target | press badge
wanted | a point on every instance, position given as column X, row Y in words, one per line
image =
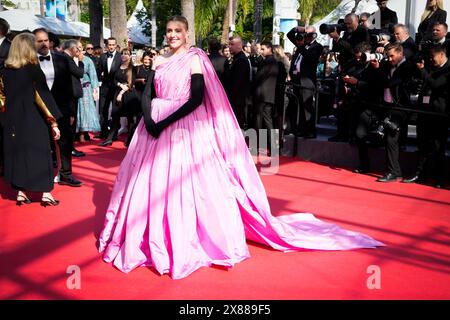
column 426, row 100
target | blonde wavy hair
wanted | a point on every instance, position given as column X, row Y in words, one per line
column 22, row 51
column 430, row 11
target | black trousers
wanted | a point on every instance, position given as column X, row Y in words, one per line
column 367, row 122
column 432, row 132
column 106, row 97
column 65, row 144
column 307, row 106
column 264, row 119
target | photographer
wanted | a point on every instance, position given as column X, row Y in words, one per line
column 432, row 130
column 395, row 76
column 354, row 89
column 303, row 75
column 387, row 17
column 401, row 35
column 354, row 35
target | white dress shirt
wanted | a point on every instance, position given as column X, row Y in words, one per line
column 109, row 61
column 49, row 70
column 1, row 40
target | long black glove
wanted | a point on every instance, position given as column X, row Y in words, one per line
column 197, row 92
column 147, row 96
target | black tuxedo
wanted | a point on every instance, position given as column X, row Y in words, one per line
column 64, row 91
column 108, row 88
column 432, row 130
column 238, row 85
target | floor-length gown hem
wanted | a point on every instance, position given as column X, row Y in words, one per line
column 192, row 197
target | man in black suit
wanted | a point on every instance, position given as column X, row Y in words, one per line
column 395, row 76
column 72, row 53
column 59, row 71
column 5, row 44
column 385, row 18
column 303, row 72
column 432, row 130
column 238, row 81
column 108, row 65
column 354, row 35
column 218, row 61
column 263, row 88
column 401, row 35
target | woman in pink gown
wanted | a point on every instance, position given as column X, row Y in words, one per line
column 188, row 194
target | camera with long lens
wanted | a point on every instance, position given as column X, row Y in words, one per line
column 329, row 28
column 374, row 56
column 386, row 126
column 300, row 33
column 381, row 37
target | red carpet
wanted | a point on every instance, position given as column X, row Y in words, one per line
column 39, row 244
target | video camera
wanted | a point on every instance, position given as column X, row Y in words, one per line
column 329, row 28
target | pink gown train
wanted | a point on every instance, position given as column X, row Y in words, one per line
column 193, row 196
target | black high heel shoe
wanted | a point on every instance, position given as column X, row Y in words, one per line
column 49, row 202
column 23, row 200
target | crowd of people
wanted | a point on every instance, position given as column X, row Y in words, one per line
column 380, row 79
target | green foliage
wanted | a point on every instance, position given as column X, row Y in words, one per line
column 314, row 10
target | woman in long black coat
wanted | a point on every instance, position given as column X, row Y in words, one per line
column 30, row 115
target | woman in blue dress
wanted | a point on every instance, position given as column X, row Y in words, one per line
column 87, row 115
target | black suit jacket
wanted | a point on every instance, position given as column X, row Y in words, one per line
column 265, row 82
column 308, row 65
column 108, row 76
column 76, row 73
column 399, row 81
column 409, row 48
column 436, row 83
column 238, row 80
column 388, row 19
column 348, row 42
column 218, row 61
column 4, row 51
column 62, row 88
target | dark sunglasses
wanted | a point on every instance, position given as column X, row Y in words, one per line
column 89, row 48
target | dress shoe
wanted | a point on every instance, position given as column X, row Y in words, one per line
column 361, row 170
column 413, row 179
column 20, row 200
column 77, row 153
column 45, row 202
column 71, row 181
column 390, row 177
column 106, row 143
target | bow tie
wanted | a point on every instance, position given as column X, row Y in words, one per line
column 42, row 58
column 109, row 55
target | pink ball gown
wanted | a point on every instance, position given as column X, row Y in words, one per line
column 193, row 196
